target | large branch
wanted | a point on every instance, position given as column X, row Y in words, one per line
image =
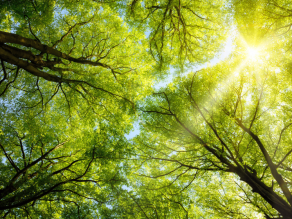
column 23, row 41
column 20, row 53
column 257, row 185
column 272, row 166
column 8, row 57
column 266, row 192
column 10, row 188
column 49, row 190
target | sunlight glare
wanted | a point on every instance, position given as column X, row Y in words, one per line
column 252, row 53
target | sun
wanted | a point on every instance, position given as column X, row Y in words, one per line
column 252, row 53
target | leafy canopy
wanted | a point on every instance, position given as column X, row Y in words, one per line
column 213, row 143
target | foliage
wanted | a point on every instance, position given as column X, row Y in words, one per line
column 213, row 143
column 65, row 85
column 180, row 32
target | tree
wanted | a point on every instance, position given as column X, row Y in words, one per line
column 65, row 84
column 223, row 120
column 224, row 130
column 49, row 167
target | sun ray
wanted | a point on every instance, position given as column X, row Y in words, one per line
column 254, row 53
column 251, row 55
